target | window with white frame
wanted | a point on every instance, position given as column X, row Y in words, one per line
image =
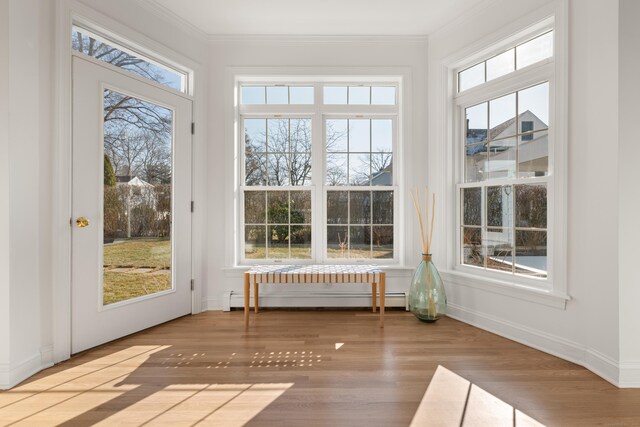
column 505, row 160
column 317, row 178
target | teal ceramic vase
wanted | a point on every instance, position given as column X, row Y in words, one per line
column 427, row 300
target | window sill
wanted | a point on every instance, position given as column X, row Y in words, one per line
column 510, row 289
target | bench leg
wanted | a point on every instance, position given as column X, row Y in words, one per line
column 383, row 280
column 255, row 297
column 246, row 300
column 374, row 291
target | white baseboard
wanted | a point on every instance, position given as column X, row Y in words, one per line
column 318, row 299
column 596, row 362
column 234, row 299
column 13, row 375
column 630, row 374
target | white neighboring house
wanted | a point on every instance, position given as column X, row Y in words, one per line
column 140, row 193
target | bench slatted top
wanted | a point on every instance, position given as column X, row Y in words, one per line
column 315, row 274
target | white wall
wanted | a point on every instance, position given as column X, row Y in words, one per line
column 586, row 331
column 628, row 192
column 4, row 191
column 325, row 56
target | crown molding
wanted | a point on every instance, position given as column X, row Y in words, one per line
column 168, row 15
column 324, row 39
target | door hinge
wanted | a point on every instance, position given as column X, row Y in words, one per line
column 193, row 128
column 192, row 204
column 192, row 283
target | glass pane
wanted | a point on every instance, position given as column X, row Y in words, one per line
column 359, row 169
column 337, row 207
column 475, row 162
column 381, row 169
column 383, row 207
column 501, row 64
column 300, row 159
column 533, row 106
column 252, row 95
column 499, row 206
column 300, row 164
column 278, row 169
column 255, row 135
column 472, row 253
column 300, row 207
column 535, row 50
column 359, row 95
column 499, row 244
column 359, row 241
column 383, row 95
column 531, row 253
column 360, row 136
column 337, row 242
column 255, row 242
column 337, row 131
column 502, row 158
column 382, row 238
column 300, row 241
column 278, row 241
column 301, row 95
column 254, row 207
column 472, row 206
column 137, row 197
column 471, row 77
column 531, row 206
column 277, row 95
column 382, row 135
column 360, row 207
column 255, row 144
column 502, row 116
column 278, row 135
column 118, row 56
column 278, row 207
column 336, row 169
column 335, row 95
column 300, row 132
column 533, row 155
column 255, row 169
column 476, row 124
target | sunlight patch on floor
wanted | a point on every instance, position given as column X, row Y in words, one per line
column 453, row 400
column 108, row 391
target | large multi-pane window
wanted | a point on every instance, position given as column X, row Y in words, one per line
column 317, row 177
column 505, row 160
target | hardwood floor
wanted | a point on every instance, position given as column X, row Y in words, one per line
column 305, row 368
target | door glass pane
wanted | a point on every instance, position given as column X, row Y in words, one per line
column 138, row 138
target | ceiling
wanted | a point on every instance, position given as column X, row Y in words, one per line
column 317, row 17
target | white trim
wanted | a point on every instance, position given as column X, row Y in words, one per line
column 445, row 167
column 15, row 373
column 629, row 374
column 507, row 288
column 317, row 298
column 598, row 363
column 235, row 76
column 66, row 12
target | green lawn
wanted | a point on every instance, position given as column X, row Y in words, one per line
column 136, row 254
column 124, row 286
column 140, row 253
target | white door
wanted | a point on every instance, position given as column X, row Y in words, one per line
column 131, row 238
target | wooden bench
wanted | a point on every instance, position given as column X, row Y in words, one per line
column 305, row 274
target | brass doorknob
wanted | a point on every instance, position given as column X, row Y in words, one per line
column 82, row 222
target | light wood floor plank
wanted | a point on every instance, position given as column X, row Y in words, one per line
column 484, row 409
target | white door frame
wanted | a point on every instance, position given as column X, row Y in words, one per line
column 68, row 12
